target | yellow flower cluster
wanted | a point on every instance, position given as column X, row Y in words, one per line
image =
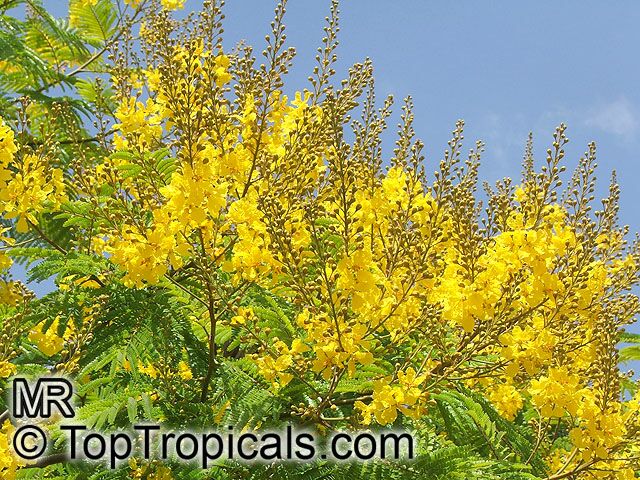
column 389, row 399
column 145, row 254
column 343, row 346
column 9, row 294
column 149, row 471
column 5, row 261
column 529, row 347
column 8, row 148
column 166, row 4
column 525, row 250
column 7, row 369
column 28, row 186
column 173, row 4
column 242, row 316
column 251, row 256
column 183, row 370
column 506, row 399
column 556, row 393
column 200, row 194
column 48, row 341
column 9, row 463
column 140, row 124
column 276, row 368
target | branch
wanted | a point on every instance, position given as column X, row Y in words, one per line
column 580, row 468
column 49, row 460
column 46, row 238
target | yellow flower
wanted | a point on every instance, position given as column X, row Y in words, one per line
column 9, row 293
column 389, row 399
column 7, row 369
column 139, row 123
column 184, row 371
column 520, row 194
column 146, row 256
column 557, row 393
column 34, row 188
column 149, row 471
column 148, row 369
column 9, row 463
column 243, row 315
column 173, row 4
column 358, row 276
column 153, row 77
column 48, row 342
column 222, row 75
column 8, row 148
column 506, row 399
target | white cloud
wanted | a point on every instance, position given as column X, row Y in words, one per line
column 617, row 117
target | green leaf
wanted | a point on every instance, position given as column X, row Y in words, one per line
column 130, row 170
column 95, row 23
column 132, row 409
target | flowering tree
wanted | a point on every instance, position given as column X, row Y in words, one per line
column 229, row 253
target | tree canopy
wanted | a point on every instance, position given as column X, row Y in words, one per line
column 229, row 252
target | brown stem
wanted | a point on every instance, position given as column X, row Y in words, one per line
column 580, row 468
column 45, row 238
column 49, row 460
column 213, row 348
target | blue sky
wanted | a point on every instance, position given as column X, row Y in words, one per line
column 506, row 68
